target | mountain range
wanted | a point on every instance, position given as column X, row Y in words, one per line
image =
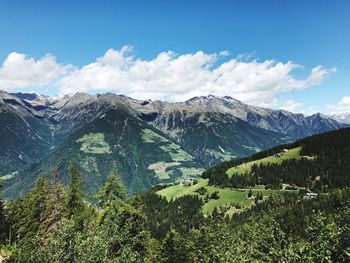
column 342, row 117
column 147, row 142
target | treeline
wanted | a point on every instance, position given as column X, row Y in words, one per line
column 182, row 214
column 54, row 224
column 329, row 166
column 57, row 224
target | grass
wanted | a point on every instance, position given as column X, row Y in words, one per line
column 191, row 172
column 228, row 196
column 174, row 150
column 164, row 170
column 160, row 169
column 94, row 143
column 176, row 191
column 246, row 167
column 222, row 156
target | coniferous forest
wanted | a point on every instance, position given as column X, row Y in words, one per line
column 53, row 223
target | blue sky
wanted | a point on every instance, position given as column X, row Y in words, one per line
column 76, row 33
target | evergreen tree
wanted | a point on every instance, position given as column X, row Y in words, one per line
column 35, row 208
column 55, row 207
column 112, row 190
column 174, row 249
column 74, row 196
column 4, row 225
column 250, row 193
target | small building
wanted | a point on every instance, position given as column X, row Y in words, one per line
column 285, row 150
column 186, row 182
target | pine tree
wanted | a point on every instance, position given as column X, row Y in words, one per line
column 261, row 196
column 112, row 190
column 55, row 207
column 74, row 197
column 250, row 193
column 35, row 207
column 4, row 226
column 174, row 248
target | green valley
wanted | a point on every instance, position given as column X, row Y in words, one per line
column 229, row 199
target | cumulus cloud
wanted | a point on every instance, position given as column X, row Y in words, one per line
column 20, row 71
column 168, row 76
column 342, row 106
column 291, row 105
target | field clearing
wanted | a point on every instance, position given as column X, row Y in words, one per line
column 246, row 167
column 176, row 191
column 94, row 143
column 228, row 196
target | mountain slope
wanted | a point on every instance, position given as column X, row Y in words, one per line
column 213, row 136
column 318, row 162
column 117, row 140
column 24, row 139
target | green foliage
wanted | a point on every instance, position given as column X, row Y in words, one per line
column 74, row 202
column 201, row 191
column 215, row 195
column 112, row 190
column 4, row 224
column 174, row 248
column 285, row 227
column 135, row 158
column 181, row 214
column 321, row 162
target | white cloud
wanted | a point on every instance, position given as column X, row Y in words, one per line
column 345, row 102
column 342, row 106
column 20, row 71
column 168, row 76
column 291, row 105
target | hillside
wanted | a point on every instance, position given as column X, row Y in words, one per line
column 141, row 155
column 316, row 162
column 24, row 139
column 277, row 158
column 229, row 199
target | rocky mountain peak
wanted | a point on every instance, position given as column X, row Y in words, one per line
column 342, row 117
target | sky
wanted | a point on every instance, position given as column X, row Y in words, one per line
column 293, row 55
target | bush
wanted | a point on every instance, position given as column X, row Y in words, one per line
column 237, row 206
column 215, row 195
column 206, row 198
column 202, row 190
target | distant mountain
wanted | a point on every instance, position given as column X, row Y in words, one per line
column 40, row 133
column 142, row 155
column 24, row 138
column 342, row 117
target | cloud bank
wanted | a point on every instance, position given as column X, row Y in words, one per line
column 20, row 71
column 168, row 76
column 342, row 106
